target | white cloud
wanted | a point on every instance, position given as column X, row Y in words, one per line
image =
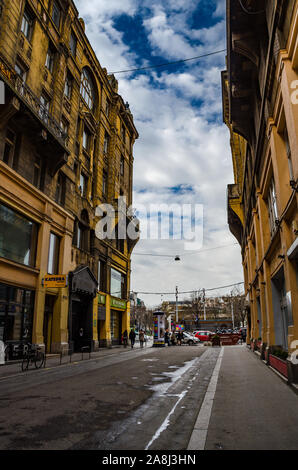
column 180, row 142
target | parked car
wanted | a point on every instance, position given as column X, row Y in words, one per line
column 190, row 339
column 204, row 335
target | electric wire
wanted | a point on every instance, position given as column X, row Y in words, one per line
column 186, row 292
column 166, row 64
column 187, row 253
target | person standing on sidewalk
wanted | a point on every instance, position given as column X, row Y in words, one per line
column 125, row 337
column 141, row 338
column 179, row 337
column 132, row 337
column 167, row 337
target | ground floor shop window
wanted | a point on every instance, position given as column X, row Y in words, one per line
column 16, row 314
column 18, row 237
column 116, row 325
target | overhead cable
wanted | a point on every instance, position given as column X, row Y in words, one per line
column 166, row 64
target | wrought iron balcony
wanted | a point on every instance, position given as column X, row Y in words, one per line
column 27, row 96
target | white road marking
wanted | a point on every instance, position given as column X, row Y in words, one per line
column 177, row 375
column 199, row 434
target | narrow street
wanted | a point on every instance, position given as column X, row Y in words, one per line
column 150, row 399
column 120, row 401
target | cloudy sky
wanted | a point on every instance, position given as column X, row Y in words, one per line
column 182, row 155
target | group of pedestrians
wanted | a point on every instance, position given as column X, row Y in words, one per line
column 172, row 338
column 132, row 338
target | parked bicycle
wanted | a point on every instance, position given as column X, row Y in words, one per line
column 32, row 355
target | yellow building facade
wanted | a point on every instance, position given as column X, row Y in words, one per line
column 261, row 111
column 66, row 147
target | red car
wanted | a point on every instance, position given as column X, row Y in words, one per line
column 204, row 335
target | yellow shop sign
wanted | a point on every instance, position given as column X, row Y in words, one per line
column 55, row 280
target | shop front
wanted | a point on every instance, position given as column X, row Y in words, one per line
column 82, row 291
column 16, row 317
column 118, row 309
column 101, row 320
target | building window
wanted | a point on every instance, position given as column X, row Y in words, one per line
column 81, row 232
column 21, row 71
column 289, row 154
column 86, row 140
column 68, row 86
column 18, row 237
column 117, row 283
column 50, row 58
column 44, row 107
column 16, row 315
column 87, row 89
column 73, row 44
column 38, row 173
column 27, row 24
column 106, row 143
column 123, row 133
column 272, row 207
column 53, row 259
column 56, row 15
column 83, row 184
column 64, row 125
column 9, row 147
column 60, row 189
column 122, row 165
column 104, row 184
column 107, row 107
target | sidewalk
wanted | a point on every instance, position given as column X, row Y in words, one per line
column 251, row 407
column 53, row 360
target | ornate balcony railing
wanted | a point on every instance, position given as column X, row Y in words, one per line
column 32, row 101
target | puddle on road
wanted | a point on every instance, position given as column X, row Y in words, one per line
column 162, row 388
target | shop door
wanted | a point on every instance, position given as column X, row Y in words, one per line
column 80, row 323
column 116, row 327
column 48, row 322
column 284, row 318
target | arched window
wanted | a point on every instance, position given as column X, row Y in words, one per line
column 87, row 89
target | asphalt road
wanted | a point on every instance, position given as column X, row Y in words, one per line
column 133, row 399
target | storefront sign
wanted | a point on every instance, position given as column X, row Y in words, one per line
column 117, row 303
column 101, row 299
column 58, row 280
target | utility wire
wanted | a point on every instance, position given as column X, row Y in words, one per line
column 187, row 253
column 185, row 292
column 169, row 63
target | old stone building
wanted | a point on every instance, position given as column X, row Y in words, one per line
column 66, row 146
column 260, row 109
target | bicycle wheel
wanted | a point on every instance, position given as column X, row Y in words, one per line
column 39, row 359
column 25, row 363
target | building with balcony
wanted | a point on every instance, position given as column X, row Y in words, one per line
column 261, row 112
column 66, row 147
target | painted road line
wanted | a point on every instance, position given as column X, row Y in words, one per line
column 179, row 373
column 199, row 435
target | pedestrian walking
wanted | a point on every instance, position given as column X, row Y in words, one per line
column 141, row 338
column 167, row 338
column 125, row 337
column 179, row 337
column 132, row 337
